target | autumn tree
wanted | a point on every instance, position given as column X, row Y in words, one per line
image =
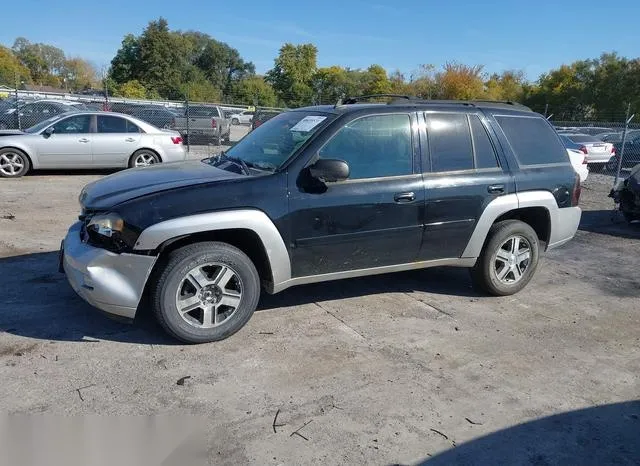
column 459, row 81
column 79, row 74
column 11, row 68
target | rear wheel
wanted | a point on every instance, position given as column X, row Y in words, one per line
column 235, row 121
column 509, row 258
column 143, row 158
column 13, row 163
column 206, row 292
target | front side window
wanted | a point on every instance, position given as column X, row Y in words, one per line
column 373, row 146
column 78, row 124
column 533, row 140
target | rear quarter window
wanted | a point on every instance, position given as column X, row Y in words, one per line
column 533, row 140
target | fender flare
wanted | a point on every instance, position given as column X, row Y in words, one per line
column 249, row 219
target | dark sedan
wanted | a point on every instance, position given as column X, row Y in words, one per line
column 160, row 117
column 33, row 113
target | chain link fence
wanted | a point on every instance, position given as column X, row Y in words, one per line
column 202, row 124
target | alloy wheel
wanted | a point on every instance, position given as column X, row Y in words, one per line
column 11, row 163
column 512, row 259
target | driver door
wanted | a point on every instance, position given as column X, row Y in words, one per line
column 69, row 146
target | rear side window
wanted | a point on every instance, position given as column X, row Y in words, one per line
column 450, row 144
column 533, row 140
column 114, row 124
column 485, row 154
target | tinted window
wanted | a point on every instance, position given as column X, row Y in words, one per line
column 449, row 142
column 485, row 154
column 113, row 124
column 73, row 125
column 533, row 140
column 373, row 146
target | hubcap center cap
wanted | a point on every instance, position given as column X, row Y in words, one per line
column 211, row 294
column 512, row 260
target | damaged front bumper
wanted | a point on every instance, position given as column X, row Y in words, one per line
column 112, row 282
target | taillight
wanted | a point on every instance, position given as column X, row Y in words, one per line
column 214, row 124
column 577, row 190
column 583, row 149
column 584, row 160
column 176, row 139
column 613, row 150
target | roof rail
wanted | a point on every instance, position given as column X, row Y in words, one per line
column 356, row 99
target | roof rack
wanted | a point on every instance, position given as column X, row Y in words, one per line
column 356, row 99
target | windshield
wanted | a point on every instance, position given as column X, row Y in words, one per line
column 270, row 145
column 42, row 125
column 583, row 138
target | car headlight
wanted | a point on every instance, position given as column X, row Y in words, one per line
column 106, row 224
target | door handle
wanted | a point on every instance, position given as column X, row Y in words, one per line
column 83, row 140
column 404, row 197
column 130, row 140
column 496, row 189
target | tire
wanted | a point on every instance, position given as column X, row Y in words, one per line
column 193, row 278
column 13, row 163
column 235, row 121
column 487, row 272
column 143, row 158
column 226, row 139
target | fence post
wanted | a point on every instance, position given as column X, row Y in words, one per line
column 186, row 113
column 627, row 120
column 18, row 122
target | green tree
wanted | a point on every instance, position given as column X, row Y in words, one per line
column 333, row 83
column 132, row 89
column 125, row 66
column 223, row 65
column 292, row 74
column 45, row 62
column 509, row 85
column 11, row 68
column 376, row 81
column 254, row 90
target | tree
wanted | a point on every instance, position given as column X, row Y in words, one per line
column 11, row 68
column 292, row 74
column 458, row 81
column 376, row 81
column 254, row 91
column 45, row 62
column 509, row 85
column 223, row 65
column 125, row 66
column 79, row 74
column 132, row 89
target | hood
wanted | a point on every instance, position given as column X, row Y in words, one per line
column 10, row 132
column 135, row 182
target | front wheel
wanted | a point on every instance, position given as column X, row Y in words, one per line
column 206, row 292
column 509, row 258
column 235, row 121
column 13, row 163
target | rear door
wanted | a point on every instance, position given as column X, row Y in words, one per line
column 372, row 219
column 115, row 141
column 463, row 173
column 69, row 146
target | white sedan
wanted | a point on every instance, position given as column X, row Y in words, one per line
column 88, row 140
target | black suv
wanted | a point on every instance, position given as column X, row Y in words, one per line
column 324, row 193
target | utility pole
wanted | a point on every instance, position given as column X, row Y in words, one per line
column 18, row 122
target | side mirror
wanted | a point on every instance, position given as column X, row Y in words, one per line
column 48, row 132
column 330, row 170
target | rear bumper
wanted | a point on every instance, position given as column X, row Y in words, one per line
column 599, row 158
column 564, row 224
column 113, row 283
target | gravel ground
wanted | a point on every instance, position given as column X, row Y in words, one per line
column 399, row 368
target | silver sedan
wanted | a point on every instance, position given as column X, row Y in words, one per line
column 88, row 140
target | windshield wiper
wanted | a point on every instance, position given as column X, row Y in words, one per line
column 239, row 162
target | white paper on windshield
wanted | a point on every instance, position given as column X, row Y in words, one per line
column 308, row 123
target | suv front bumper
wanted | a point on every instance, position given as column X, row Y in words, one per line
column 112, row 282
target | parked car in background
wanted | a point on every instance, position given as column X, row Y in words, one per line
column 598, row 153
column 593, row 130
column 626, row 193
column 610, row 136
column 631, row 156
column 205, row 122
column 262, row 116
column 88, row 140
column 37, row 111
column 242, row 118
column 161, row 117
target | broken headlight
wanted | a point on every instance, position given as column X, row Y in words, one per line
column 109, row 231
column 106, row 225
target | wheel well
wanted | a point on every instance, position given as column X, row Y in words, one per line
column 145, row 148
column 536, row 217
column 245, row 240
